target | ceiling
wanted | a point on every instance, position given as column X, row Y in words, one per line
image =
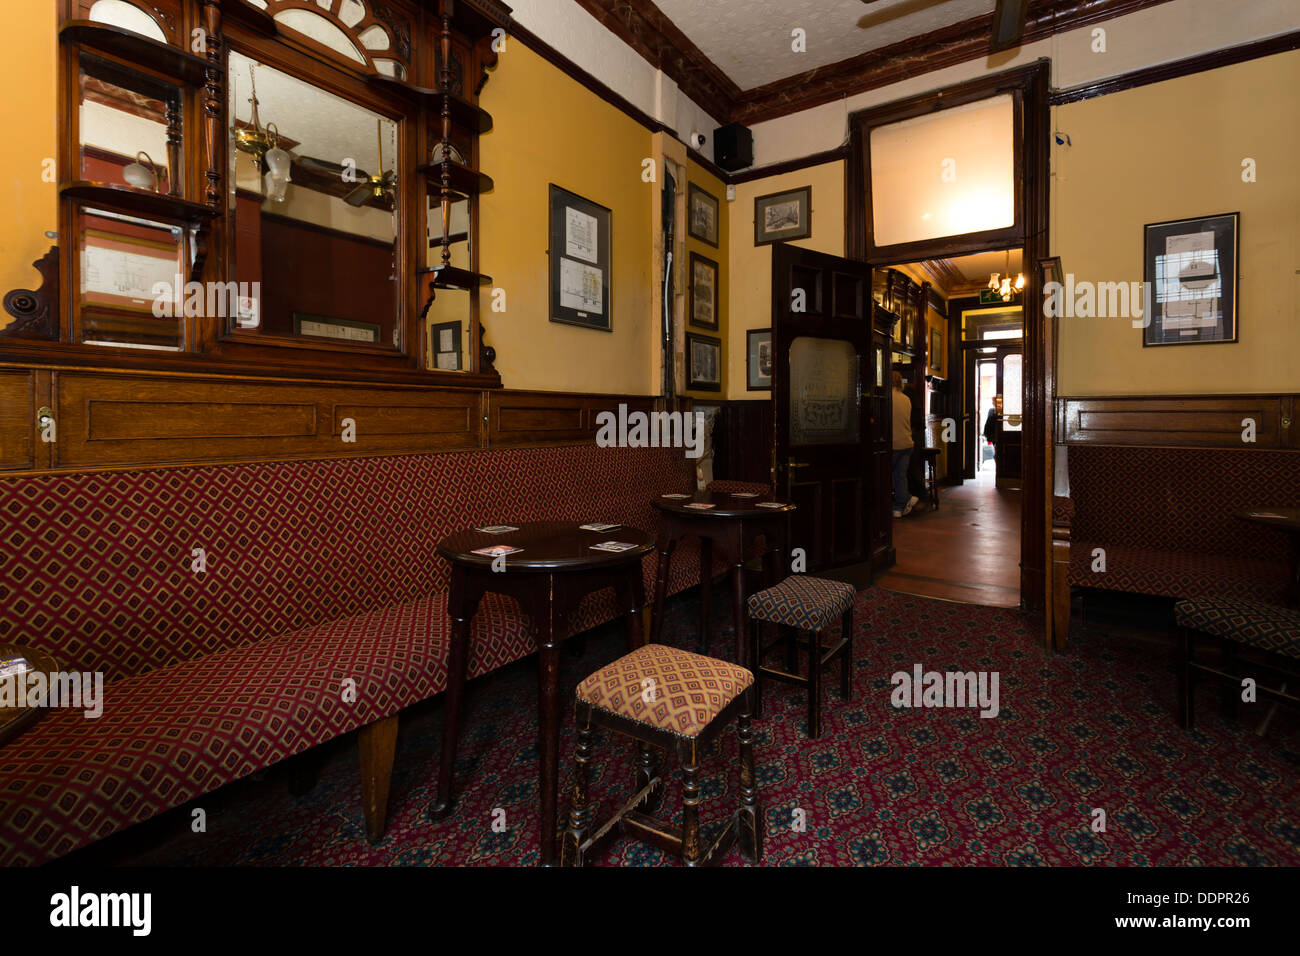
column 750, row 40
column 963, row 275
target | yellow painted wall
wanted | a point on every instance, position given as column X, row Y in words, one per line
column 1170, row 151
column 549, row 129
column 751, row 266
column 28, row 205
column 709, row 183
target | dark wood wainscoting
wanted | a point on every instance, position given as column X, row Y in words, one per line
column 743, row 441
column 106, row 419
column 1163, row 421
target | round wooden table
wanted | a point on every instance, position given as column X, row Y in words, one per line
column 14, row 720
column 733, row 523
column 556, row 568
column 1288, row 520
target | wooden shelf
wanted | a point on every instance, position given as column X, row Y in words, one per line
column 164, row 58
column 464, row 181
column 463, row 112
column 138, row 202
column 245, row 14
column 450, row 277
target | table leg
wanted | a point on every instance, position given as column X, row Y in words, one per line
column 632, row 596
column 706, row 587
column 738, row 610
column 548, row 737
column 453, row 705
column 666, row 547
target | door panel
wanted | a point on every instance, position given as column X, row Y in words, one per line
column 822, row 346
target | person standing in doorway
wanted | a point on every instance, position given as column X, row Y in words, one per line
column 902, row 405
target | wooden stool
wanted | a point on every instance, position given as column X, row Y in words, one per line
column 930, row 473
column 811, row 605
column 672, row 699
column 1266, row 627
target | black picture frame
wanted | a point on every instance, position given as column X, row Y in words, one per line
column 756, row 380
column 572, row 262
column 776, row 207
column 703, row 309
column 1203, row 293
column 435, row 338
column 935, row 357
column 702, row 214
column 700, row 376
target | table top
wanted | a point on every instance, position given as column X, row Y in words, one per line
column 725, row 505
column 1288, row 519
column 14, row 720
column 548, row 546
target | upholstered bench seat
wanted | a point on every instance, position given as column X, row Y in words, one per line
column 809, row 604
column 686, row 691
column 1177, row 574
column 1265, row 626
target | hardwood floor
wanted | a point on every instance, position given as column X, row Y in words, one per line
column 967, row 551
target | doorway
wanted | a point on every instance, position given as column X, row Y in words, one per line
column 912, row 218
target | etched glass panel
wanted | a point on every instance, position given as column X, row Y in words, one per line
column 119, row 13
column 321, row 30
column 825, row 392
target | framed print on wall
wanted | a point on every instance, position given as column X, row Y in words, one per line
column 1190, row 266
column 782, row 216
column 704, row 292
column 703, row 363
column 580, row 269
column 758, row 359
column 936, row 351
column 446, row 345
column 702, row 215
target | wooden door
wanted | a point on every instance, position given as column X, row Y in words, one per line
column 822, row 346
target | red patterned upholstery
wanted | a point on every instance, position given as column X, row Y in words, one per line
column 1062, row 511
column 1166, row 520
column 1265, row 626
column 316, row 571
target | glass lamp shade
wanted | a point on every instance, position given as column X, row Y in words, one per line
column 278, row 164
column 138, row 175
column 275, row 188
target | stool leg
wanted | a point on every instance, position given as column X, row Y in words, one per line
column 846, row 663
column 750, row 818
column 1185, row 691
column 791, row 648
column 815, row 684
column 756, row 664
column 691, row 850
column 1231, row 691
column 647, row 769
column 580, row 809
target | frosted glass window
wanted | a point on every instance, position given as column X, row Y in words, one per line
column 374, row 37
column 119, row 13
column 320, row 30
column 945, row 174
column 824, row 392
column 1012, row 396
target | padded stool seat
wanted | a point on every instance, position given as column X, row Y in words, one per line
column 809, row 604
column 689, row 690
column 1265, row 626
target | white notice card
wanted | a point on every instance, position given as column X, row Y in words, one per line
column 579, row 235
column 581, row 287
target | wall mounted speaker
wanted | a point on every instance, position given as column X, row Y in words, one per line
column 733, row 147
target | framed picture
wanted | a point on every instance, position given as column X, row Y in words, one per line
column 758, row 359
column 579, row 252
column 445, row 337
column 936, row 350
column 702, row 215
column 782, row 216
column 1191, row 270
column 703, row 362
column 704, row 292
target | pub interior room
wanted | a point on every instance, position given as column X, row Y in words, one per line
column 614, row 433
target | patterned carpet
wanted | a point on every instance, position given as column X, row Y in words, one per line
column 1091, row 728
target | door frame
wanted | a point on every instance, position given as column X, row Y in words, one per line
column 1030, row 85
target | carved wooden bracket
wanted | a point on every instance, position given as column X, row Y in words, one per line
column 36, row 312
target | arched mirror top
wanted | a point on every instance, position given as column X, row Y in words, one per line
column 364, row 34
column 128, row 16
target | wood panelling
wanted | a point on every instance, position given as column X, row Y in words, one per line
column 1217, row 421
column 541, row 418
column 18, row 432
column 107, row 419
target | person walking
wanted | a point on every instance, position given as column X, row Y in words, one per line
column 902, row 407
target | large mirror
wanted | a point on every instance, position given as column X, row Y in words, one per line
column 313, row 196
